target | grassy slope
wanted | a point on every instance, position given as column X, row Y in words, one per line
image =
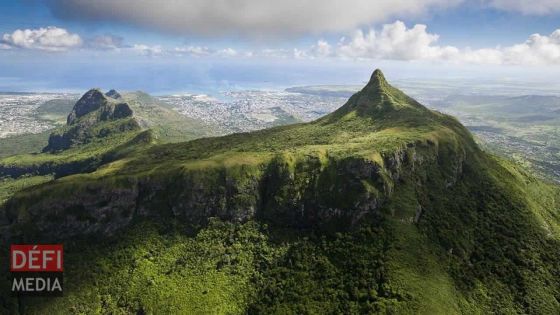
column 23, row 151
column 9, row 186
column 39, row 168
column 22, row 144
column 485, row 244
column 95, row 149
column 56, row 110
column 167, row 124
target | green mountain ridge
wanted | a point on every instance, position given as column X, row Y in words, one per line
column 383, row 206
column 378, row 108
column 98, row 127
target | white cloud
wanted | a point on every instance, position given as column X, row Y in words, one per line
column 202, row 51
column 321, row 49
column 245, row 17
column 397, row 42
column 538, row 49
column 276, row 53
column 227, row 52
column 300, row 54
column 197, row 51
column 50, row 38
column 537, row 7
column 148, row 50
column 481, row 56
column 393, row 41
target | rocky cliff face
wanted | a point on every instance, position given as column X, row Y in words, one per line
column 296, row 191
column 84, row 123
column 113, row 94
column 91, row 101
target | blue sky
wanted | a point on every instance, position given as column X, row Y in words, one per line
column 196, row 45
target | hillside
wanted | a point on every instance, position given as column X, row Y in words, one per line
column 56, row 110
column 383, row 206
column 98, row 128
column 167, row 124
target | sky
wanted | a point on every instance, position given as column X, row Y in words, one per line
column 170, row 46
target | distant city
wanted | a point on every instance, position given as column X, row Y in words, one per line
column 18, row 113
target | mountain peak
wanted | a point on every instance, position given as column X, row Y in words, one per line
column 90, row 101
column 377, row 83
column 376, row 98
column 113, row 94
column 377, row 78
column 93, row 110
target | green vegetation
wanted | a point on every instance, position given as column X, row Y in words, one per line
column 381, row 207
column 56, row 110
column 167, row 124
column 523, row 128
column 223, row 268
column 21, row 144
column 82, row 158
column 94, row 138
column 9, row 186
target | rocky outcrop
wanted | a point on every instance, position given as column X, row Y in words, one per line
column 91, row 101
column 113, row 94
column 121, row 110
column 85, row 122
